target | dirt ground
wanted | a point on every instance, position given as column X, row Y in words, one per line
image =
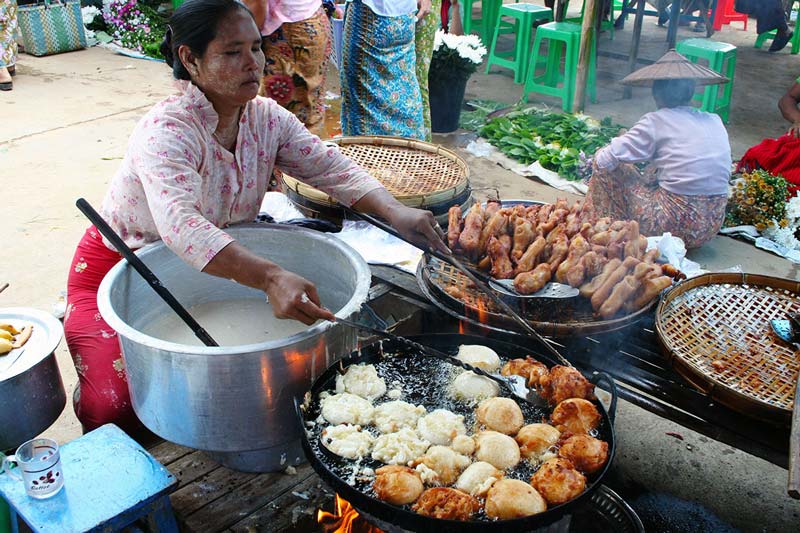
column 64, row 130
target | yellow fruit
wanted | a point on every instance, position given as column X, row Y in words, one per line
column 9, row 328
column 5, row 346
column 6, row 335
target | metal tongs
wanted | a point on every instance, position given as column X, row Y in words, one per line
column 475, row 276
column 513, row 383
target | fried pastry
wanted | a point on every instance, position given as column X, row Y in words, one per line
column 500, row 414
column 499, row 250
column 576, row 416
column 441, row 426
column 558, row 481
column 446, row 503
column 533, row 281
column 497, row 449
column 622, row 292
column 494, row 227
column 523, row 237
column 453, row 226
column 398, row 485
column 479, row 356
column 445, row 462
column 563, row 382
column 529, row 368
column 512, row 498
column 588, row 454
column 528, row 260
column 478, row 478
column 535, row 439
column 469, row 239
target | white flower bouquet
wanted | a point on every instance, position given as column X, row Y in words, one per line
column 455, row 56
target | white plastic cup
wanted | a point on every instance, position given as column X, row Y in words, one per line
column 40, row 463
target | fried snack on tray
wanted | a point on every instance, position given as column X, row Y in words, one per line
column 446, row 503
column 12, row 337
column 512, row 498
column 398, row 485
column 595, row 255
column 562, row 383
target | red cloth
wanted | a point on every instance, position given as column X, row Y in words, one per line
column 779, row 156
column 102, row 392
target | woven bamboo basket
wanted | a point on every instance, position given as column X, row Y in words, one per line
column 716, row 330
column 417, row 173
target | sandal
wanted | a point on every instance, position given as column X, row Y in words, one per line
column 6, row 86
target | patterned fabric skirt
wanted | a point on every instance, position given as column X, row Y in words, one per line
column 627, row 194
column 8, row 32
column 296, row 62
column 102, row 393
column 380, row 91
column 425, row 34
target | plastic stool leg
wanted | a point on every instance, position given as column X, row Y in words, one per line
column 161, row 518
column 763, row 37
column 522, row 48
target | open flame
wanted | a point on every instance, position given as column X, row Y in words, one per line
column 344, row 519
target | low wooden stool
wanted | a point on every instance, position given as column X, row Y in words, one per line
column 109, row 483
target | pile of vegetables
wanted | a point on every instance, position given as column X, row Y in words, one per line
column 560, row 142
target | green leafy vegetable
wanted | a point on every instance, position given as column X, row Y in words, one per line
column 557, row 141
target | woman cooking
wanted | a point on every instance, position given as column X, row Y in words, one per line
column 199, row 161
column 684, row 190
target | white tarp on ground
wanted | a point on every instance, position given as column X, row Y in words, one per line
column 481, row 148
column 750, row 233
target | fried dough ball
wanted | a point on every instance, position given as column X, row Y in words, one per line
column 536, row 439
column 361, row 380
column 446, row 503
column 558, row 481
column 479, row 356
column 501, row 451
column 588, row 454
column 441, row 426
column 469, row 386
column 397, row 414
column 347, row 441
column 575, row 416
column 500, row 414
column 445, row 463
column 399, row 448
column 478, row 478
column 346, row 408
column 398, row 485
column 563, row 382
column 529, row 368
column 512, row 498
column 463, row 444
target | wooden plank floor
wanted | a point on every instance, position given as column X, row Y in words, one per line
column 212, row 498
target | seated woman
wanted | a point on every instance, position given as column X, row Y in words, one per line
column 684, row 189
column 199, row 161
column 781, row 155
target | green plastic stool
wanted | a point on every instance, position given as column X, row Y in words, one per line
column 721, row 58
column 607, row 25
column 484, row 25
column 560, row 36
column 524, row 16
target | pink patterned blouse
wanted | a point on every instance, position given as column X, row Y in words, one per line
column 177, row 183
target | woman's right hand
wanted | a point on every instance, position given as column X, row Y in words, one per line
column 293, row 296
column 794, row 131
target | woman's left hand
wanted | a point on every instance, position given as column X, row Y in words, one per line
column 423, row 8
column 418, row 226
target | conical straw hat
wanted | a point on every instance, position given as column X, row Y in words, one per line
column 673, row 66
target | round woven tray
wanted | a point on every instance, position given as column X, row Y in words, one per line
column 417, row 173
column 716, row 330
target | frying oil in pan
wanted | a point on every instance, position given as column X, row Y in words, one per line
column 423, row 381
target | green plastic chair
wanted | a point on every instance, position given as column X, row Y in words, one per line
column 795, row 40
column 607, row 25
column 483, row 25
column 523, row 15
column 560, row 36
column 721, row 57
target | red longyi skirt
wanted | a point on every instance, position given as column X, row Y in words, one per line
column 102, row 392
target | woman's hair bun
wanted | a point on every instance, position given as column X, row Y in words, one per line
column 166, row 47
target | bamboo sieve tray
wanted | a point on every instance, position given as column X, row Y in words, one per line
column 715, row 329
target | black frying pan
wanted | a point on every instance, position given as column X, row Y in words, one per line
column 339, row 474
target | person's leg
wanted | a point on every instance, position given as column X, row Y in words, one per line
column 424, row 37
column 609, row 191
column 296, row 63
column 8, row 43
column 695, row 219
column 102, row 394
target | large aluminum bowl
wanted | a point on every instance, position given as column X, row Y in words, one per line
column 233, row 400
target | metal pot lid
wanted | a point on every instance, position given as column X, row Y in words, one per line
column 45, row 338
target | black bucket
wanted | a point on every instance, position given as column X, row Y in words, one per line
column 446, row 97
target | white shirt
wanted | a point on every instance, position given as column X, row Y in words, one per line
column 689, row 147
column 391, row 8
